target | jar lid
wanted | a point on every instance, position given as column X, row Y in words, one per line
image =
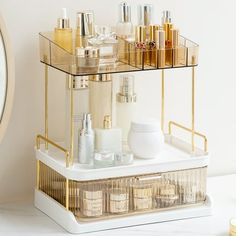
column 146, row 126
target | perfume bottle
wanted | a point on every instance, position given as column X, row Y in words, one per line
column 108, row 138
column 81, row 106
column 124, row 27
column 100, row 98
column 63, row 32
column 167, row 26
column 85, row 28
column 161, row 53
column 107, row 43
column 126, row 105
column 86, row 141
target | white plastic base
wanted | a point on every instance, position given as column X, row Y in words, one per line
column 68, row 221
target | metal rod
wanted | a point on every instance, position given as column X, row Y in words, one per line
column 71, row 121
column 67, row 153
column 162, row 99
column 38, row 174
column 193, row 108
column 189, row 130
column 46, row 105
column 67, row 194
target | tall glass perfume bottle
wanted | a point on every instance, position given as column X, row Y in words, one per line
column 107, row 43
column 108, row 138
column 126, row 105
column 81, row 106
column 85, row 28
column 63, row 32
column 100, row 98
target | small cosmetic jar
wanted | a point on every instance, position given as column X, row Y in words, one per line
column 92, row 203
column 103, row 159
column 145, row 139
column 167, row 196
column 118, row 201
column 87, row 59
column 142, row 197
column 188, row 193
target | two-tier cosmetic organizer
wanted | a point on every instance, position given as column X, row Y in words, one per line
column 170, row 187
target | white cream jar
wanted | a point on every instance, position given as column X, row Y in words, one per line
column 145, row 138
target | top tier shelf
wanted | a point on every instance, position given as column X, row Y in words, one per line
column 130, row 58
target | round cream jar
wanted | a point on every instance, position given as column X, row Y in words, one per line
column 146, row 139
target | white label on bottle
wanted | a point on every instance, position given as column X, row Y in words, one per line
column 106, row 51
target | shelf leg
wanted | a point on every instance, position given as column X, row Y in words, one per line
column 193, row 108
column 71, row 121
column 67, row 194
column 162, row 99
column 46, row 105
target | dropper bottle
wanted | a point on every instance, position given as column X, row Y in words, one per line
column 63, row 32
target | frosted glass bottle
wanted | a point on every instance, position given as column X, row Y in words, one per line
column 81, row 106
column 126, row 107
column 100, row 98
column 108, row 138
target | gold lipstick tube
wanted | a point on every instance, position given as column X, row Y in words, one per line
column 151, row 53
column 175, row 46
column 140, row 45
column 161, row 53
column 168, row 43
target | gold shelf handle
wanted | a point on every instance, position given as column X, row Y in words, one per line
column 46, row 140
column 172, row 123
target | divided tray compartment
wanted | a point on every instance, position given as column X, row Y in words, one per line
column 130, row 56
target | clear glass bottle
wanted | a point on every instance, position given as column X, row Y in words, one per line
column 108, row 138
column 63, row 32
column 126, row 108
column 100, row 98
column 106, row 41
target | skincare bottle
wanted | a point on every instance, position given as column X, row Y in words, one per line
column 108, row 138
column 167, row 26
column 100, row 98
column 81, row 106
column 124, row 27
column 107, row 43
column 85, row 28
column 140, row 45
column 161, row 54
column 126, row 105
column 86, row 141
column 63, row 32
column 175, row 46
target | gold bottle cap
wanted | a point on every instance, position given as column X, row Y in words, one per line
column 140, row 33
column 107, row 124
column 101, row 78
column 63, row 22
column 152, row 32
column 78, row 82
column 174, row 37
column 92, row 194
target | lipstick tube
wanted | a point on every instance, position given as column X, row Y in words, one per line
column 161, row 55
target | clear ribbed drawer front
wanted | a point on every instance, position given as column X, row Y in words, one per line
column 90, row 200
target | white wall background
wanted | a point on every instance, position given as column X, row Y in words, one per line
column 210, row 23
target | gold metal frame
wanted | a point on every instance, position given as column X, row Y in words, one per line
column 173, row 123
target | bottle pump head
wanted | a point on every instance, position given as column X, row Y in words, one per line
column 166, row 17
column 63, row 22
column 107, row 122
